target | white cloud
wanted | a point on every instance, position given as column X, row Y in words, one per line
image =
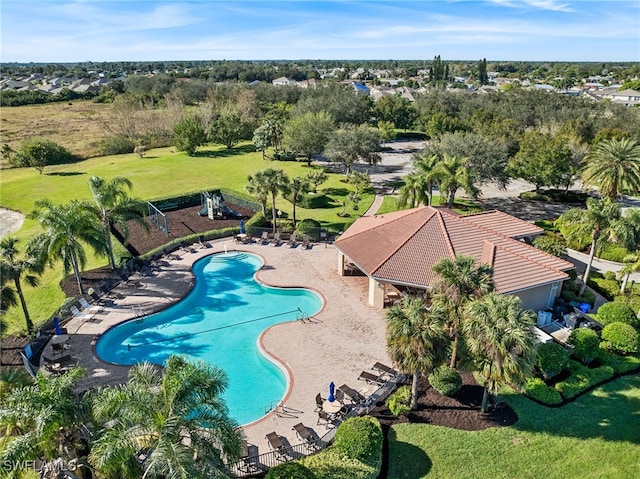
column 552, row 5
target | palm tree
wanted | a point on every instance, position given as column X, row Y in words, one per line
column 499, row 338
column 412, row 193
column 613, row 166
column 416, row 341
column 256, row 186
column 42, row 420
column 8, row 295
column 116, row 207
column 298, row 185
column 426, row 167
column 460, row 281
column 453, row 173
column 601, row 220
column 16, row 269
column 67, row 228
column 165, row 425
column 275, row 181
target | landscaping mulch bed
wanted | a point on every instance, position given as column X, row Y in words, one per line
column 461, row 411
column 11, row 347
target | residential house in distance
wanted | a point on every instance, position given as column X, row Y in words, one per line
column 397, row 252
column 284, row 81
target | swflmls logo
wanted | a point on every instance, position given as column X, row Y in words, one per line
column 40, row 466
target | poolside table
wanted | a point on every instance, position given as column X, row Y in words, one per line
column 331, row 407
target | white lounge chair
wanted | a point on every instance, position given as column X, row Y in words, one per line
column 79, row 315
column 89, row 308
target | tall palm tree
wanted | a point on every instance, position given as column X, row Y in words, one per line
column 412, row 193
column 460, row 281
column 425, row 165
column 67, row 228
column 256, row 186
column 42, row 420
column 298, row 185
column 116, row 207
column 613, row 166
column 416, row 341
column 602, row 220
column 275, row 181
column 17, row 269
column 453, row 173
column 499, row 338
column 165, row 425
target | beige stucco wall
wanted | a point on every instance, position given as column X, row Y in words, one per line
column 536, row 298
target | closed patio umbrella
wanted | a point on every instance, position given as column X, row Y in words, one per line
column 241, row 227
column 332, row 392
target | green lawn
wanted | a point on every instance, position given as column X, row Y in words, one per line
column 161, row 173
column 597, row 436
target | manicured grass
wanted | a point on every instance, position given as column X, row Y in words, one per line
column 597, row 436
column 161, row 173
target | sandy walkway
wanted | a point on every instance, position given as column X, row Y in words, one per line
column 10, row 222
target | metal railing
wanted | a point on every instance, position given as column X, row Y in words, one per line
column 252, row 466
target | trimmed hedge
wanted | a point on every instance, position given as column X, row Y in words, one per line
column 622, row 337
column 360, row 438
column 551, row 359
column 609, row 288
column 309, row 227
column 582, row 378
column 116, row 145
column 585, row 344
column 332, row 464
column 551, row 244
column 290, row 470
column 620, row 364
column 536, row 389
column 312, row 201
column 570, row 291
column 445, row 380
column 618, row 312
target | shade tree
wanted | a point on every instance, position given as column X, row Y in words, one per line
column 351, row 144
column 307, row 135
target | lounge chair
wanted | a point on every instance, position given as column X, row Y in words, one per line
column 89, row 308
column 276, row 239
column 168, row 254
column 59, row 348
column 354, row 396
column 79, row 315
column 384, row 369
column 371, row 378
column 59, row 365
column 264, row 239
column 340, row 396
column 248, row 461
column 186, row 247
column 305, row 435
column 305, row 242
column 324, row 419
column 110, row 294
column 276, row 444
column 292, row 243
column 247, row 239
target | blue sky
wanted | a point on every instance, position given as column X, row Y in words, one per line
column 533, row 30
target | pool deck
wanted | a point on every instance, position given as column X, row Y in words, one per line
column 344, row 338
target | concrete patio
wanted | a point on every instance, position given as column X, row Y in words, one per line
column 344, row 338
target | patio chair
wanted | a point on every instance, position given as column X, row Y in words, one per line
column 305, row 435
column 79, row 315
column 264, row 239
column 203, row 242
column 292, row 243
column 276, row 444
column 384, row 369
column 248, row 461
column 325, row 420
column 340, row 396
column 89, row 308
column 110, row 294
column 170, row 255
column 59, row 365
column 59, row 348
column 305, row 242
column 371, row 378
column 247, row 239
column 319, row 402
column 354, row 396
column 276, row 239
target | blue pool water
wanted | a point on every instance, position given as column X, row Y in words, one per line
column 219, row 322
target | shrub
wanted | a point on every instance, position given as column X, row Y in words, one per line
column 536, row 388
column 290, row 470
column 618, row 312
column 585, row 344
column 309, row 227
column 551, row 244
column 552, row 359
column 570, row 291
column 576, row 383
column 620, row 364
column 608, row 288
column 445, row 380
column 613, row 252
column 40, row 152
column 360, row 438
column 312, row 201
column 633, row 302
column 116, row 145
column 623, row 337
column 257, row 221
column 332, row 464
column 610, row 275
column 399, row 402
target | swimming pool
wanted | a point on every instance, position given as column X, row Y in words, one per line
column 219, row 321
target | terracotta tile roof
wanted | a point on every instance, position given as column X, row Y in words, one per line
column 403, row 246
column 504, row 224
